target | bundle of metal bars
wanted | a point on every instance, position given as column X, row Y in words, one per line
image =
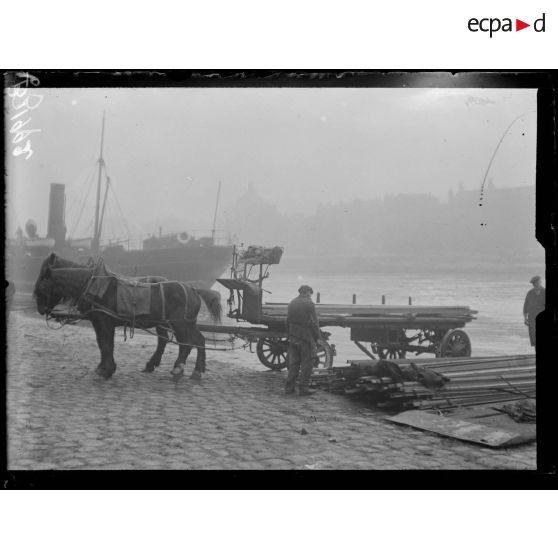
column 472, row 381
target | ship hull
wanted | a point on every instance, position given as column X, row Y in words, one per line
column 199, row 264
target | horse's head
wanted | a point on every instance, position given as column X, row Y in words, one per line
column 45, row 293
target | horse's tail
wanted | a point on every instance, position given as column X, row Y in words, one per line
column 212, row 300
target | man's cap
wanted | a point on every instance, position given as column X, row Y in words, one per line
column 305, row 289
column 535, row 279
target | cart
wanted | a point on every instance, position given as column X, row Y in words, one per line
column 380, row 331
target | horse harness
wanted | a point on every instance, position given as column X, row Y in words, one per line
column 97, row 307
column 96, row 287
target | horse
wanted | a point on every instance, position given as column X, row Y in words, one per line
column 55, row 261
column 172, row 302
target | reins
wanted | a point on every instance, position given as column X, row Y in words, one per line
column 98, row 308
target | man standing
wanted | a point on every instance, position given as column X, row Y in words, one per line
column 304, row 332
column 534, row 304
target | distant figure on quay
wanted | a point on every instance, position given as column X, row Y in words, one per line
column 533, row 306
column 304, row 333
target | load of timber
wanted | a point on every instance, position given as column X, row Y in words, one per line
column 348, row 315
column 466, row 381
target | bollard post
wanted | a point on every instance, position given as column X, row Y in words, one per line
column 317, row 298
column 410, row 301
column 383, row 299
column 354, row 298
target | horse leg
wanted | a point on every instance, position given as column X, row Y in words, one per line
column 104, row 330
column 197, row 339
column 181, row 332
column 155, row 360
column 99, row 337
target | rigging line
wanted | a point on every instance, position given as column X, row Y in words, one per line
column 111, row 222
column 100, row 230
column 86, row 186
column 89, row 227
column 113, row 192
column 87, row 192
column 85, row 196
column 79, row 179
column 77, row 193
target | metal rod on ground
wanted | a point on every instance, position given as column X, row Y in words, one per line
column 473, row 381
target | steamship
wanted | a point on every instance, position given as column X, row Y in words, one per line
column 180, row 256
column 177, row 256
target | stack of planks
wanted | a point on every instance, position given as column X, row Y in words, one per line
column 353, row 314
column 472, row 381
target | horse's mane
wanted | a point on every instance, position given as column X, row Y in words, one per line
column 71, row 282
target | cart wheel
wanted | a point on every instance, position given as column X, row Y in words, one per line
column 391, row 353
column 455, row 343
column 324, row 355
column 272, row 352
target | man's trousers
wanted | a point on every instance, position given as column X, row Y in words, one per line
column 300, row 356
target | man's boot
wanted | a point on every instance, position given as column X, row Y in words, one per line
column 291, row 383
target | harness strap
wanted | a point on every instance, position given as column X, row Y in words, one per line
column 85, row 291
column 185, row 300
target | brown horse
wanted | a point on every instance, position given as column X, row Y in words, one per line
column 174, row 303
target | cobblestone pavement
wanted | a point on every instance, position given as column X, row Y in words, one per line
column 62, row 416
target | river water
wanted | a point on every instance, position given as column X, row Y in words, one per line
column 497, row 296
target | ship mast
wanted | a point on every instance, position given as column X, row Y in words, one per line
column 103, row 210
column 215, row 215
column 96, row 230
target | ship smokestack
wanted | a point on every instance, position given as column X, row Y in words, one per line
column 56, row 214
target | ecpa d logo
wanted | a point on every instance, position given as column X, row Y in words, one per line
column 492, row 25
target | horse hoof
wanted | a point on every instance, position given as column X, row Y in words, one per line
column 148, row 370
column 177, row 372
column 105, row 374
column 196, row 375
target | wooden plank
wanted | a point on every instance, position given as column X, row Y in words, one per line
column 466, row 430
column 379, row 322
column 358, row 310
column 352, row 308
column 379, row 312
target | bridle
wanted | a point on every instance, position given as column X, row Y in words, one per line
column 49, row 314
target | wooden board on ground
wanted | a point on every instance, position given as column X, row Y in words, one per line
column 480, row 426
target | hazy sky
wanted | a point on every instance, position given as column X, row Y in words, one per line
column 166, row 149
